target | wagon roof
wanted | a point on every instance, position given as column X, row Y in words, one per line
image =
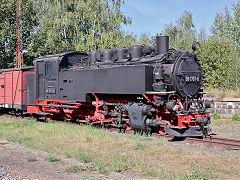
column 16, row 69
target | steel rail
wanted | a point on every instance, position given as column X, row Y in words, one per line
column 226, row 143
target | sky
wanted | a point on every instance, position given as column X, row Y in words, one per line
column 151, row 16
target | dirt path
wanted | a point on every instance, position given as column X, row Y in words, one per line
column 18, row 162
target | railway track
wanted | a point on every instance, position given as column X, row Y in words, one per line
column 225, row 143
column 210, row 141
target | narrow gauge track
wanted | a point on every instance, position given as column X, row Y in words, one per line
column 225, row 143
column 211, row 141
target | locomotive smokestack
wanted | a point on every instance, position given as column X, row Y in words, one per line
column 162, row 44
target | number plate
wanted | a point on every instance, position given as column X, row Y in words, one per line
column 192, row 78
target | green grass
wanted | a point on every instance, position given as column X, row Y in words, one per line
column 160, row 174
column 91, row 178
column 31, row 159
column 199, row 173
column 140, row 146
column 236, row 117
column 227, row 125
column 222, row 93
column 119, row 163
column 74, row 169
column 101, row 167
column 83, row 156
column 138, row 155
column 216, row 116
column 52, row 159
column 3, row 143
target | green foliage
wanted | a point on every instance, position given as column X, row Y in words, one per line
column 140, row 146
column 74, row 169
column 54, row 26
column 226, row 27
column 219, row 54
column 161, row 174
column 3, row 143
column 146, row 39
column 236, row 117
column 79, row 25
column 31, row 159
column 91, row 178
column 216, row 116
column 84, row 157
column 120, row 163
column 52, row 159
column 101, row 167
column 107, row 150
column 182, row 33
column 8, row 31
column 215, row 57
column 199, row 172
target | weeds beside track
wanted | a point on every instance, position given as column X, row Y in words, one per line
column 134, row 154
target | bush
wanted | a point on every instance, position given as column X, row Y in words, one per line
column 52, row 159
column 235, row 117
column 216, row 116
column 31, row 159
column 74, row 169
column 84, row 157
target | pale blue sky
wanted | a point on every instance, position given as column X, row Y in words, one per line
column 151, row 16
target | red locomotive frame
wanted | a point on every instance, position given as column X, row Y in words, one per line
column 94, row 114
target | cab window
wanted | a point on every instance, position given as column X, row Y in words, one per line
column 48, row 68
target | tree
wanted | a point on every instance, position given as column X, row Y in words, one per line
column 183, row 33
column 8, row 31
column 227, row 26
column 215, row 55
column 78, row 25
column 147, row 39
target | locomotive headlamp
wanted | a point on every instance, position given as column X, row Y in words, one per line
column 195, row 45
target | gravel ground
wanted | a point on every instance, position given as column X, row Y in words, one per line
column 7, row 174
column 18, row 162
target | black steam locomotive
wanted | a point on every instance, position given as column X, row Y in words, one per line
column 147, row 89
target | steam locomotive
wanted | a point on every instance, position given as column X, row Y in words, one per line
column 143, row 88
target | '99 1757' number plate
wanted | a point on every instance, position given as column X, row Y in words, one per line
column 192, row 78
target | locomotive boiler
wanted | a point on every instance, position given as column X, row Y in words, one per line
column 143, row 88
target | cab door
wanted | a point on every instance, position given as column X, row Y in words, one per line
column 51, row 74
column 40, row 80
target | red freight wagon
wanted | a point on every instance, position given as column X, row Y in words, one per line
column 13, row 88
